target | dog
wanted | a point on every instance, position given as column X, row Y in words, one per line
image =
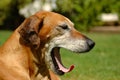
column 33, row 50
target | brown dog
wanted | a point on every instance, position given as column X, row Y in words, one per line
column 32, row 51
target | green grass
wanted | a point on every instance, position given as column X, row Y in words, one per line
column 4, row 35
column 101, row 63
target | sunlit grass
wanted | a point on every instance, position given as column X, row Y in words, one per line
column 101, row 63
column 4, row 35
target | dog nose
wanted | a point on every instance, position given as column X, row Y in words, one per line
column 90, row 43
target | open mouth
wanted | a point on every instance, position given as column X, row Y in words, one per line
column 59, row 68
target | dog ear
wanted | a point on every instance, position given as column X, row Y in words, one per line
column 29, row 31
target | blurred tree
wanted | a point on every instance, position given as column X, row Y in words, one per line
column 9, row 16
column 84, row 13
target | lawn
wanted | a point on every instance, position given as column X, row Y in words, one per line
column 4, row 35
column 102, row 63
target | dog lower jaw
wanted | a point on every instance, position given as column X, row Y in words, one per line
column 54, row 58
column 57, row 63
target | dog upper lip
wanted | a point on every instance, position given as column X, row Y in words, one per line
column 57, row 62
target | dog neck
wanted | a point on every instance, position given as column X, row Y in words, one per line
column 31, row 60
column 40, row 63
column 37, row 67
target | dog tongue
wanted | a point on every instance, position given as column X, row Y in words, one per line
column 62, row 68
column 59, row 62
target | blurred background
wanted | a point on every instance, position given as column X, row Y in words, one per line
column 86, row 14
column 98, row 19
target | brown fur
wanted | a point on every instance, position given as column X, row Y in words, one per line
column 20, row 62
column 22, row 56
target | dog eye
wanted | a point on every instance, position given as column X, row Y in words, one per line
column 64, row 26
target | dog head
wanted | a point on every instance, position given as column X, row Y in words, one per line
column 53, row 31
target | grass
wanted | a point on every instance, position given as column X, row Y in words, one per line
column 101, row 63
column 4, row 35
